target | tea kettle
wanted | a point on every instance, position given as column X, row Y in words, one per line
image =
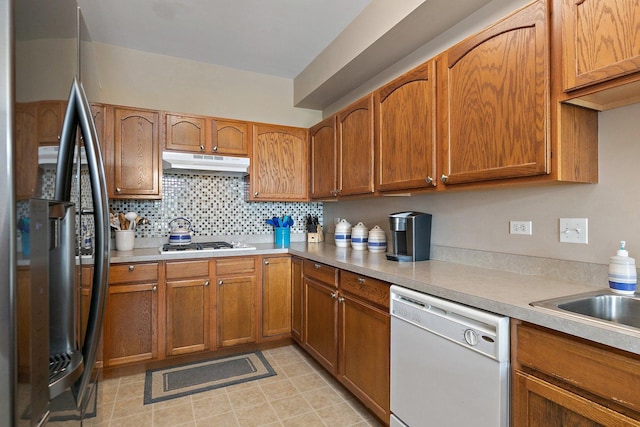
column 180, row 235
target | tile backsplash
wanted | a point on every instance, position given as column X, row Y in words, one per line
column 215, row 206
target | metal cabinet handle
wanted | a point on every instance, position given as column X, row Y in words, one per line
column 317, row 266
column 215, row 148
column 206, row 283
column 118, row 190
column 255, row 194
column 337, row 192
column 220, row 282
column 429, row 180
column 154, row 289
column 266, row 262
column 333, row 295
column 361, row 280
column 202, row 148
column 132, row 267
column 444, row 178
column 341, row 300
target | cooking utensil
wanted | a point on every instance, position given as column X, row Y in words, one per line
column 131, row 217
column 180, row 235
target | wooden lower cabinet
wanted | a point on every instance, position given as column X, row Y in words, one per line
column 297, row 300
column 320, row 324
column 276, row 296
column 347, row 330
column 559, row 380
column 131, row 317
column 236, row 301
column 188, row 307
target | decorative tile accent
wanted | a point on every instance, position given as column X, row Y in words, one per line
column 215, row 205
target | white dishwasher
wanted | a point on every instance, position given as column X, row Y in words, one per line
column 449, row 363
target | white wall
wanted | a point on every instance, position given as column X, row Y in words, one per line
column 480, row 220
column 142, row 79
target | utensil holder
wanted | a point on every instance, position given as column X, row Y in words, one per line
column 282, row 237
column 26, row 244
column 125, row 240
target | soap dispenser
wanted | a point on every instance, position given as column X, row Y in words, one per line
column 87, row 242
column 622, row 272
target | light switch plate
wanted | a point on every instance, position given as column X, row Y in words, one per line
column 574, row 230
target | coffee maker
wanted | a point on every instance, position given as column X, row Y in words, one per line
column 410, row 236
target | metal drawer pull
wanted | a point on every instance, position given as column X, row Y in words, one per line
column 333, row 295
column 154, row 289
column 361, row 280
column 220, row 282
column 317, row 266
column 266, row 262
column 206, row 283
column 341, row 299
column 132, row 267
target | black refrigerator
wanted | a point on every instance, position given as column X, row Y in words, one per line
column 48, row 372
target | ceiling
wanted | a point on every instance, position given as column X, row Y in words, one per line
column 273, row 37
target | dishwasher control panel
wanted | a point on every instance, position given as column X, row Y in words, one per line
column 481, row 331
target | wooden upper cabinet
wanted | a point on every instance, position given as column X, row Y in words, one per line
column 199, row 134
column 136, row 149
column 600, row 40
column 280, row 164
column 185, row 133
column 495, row 101
column 405, row 134
column 355, row 148
column 26, row 151
column 50, row 115
column 230, row 137
column 322, row 138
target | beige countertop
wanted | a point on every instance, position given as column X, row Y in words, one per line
column 489, row 289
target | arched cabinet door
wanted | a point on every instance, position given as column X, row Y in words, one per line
column 495, row 101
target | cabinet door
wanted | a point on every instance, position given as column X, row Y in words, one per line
column 355, row 148
column 600, row 40
column 230, row 137
column 280, row 167
column 276, row 296
column 322, row 139
column 236, row 310
column 320, row 323
column 131, row 322
column 405, row 136
column 185, row 133
column 495, row 99
column 26, row 151
column 297, row 300
column 537, row 403
column 136, row 166
column 188, row 316
column 49, row 122
column 365, row 353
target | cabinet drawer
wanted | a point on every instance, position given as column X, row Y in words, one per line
column 320, row 272
column 124, row 273
column 235, row 266
column 372, row 290
column 600, row 370
column 186, row 269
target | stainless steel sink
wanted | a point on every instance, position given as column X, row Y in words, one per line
column 601, row 305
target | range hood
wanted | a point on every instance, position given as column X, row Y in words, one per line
column 205, row 164
column 48, row 156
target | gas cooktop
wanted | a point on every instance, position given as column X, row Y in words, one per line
column 205, row 246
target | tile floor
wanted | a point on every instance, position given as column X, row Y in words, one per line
column 301, row 394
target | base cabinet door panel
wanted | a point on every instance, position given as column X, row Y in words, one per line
column 188, row 316
column 297, row 300
column 364, row 353
column 236, row 310
column 131, row 323
column 320, row 325
column 276, row 296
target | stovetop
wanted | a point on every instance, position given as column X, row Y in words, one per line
column 205, row 246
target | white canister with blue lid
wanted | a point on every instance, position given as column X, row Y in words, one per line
column 623, row 275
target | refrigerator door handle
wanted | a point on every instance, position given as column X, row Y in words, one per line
column 79, row 114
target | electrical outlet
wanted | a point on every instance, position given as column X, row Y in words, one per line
column 574, row 230
column 520, row 227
